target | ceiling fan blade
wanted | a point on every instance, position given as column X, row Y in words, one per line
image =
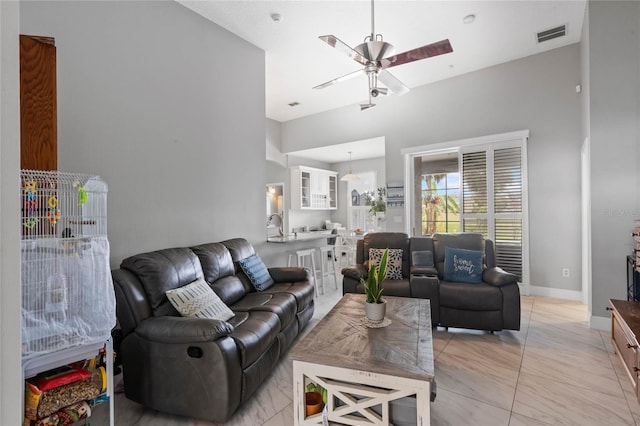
column 434, row 49
column 339, row 79
column 395, row 85
column 343, row 47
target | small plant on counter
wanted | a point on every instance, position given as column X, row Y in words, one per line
column 378, row 205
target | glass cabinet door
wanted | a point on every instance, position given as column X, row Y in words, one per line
column 333, row 192
column 305, row 189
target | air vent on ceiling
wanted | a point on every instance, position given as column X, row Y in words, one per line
column 552, row 33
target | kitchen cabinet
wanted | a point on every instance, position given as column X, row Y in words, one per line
column 313, row 189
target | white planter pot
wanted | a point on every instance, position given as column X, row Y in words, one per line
column 375, row 311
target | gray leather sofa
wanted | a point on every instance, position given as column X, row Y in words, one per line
column 198, row 367
column 493, row 304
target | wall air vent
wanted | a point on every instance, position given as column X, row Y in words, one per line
column 551, row 33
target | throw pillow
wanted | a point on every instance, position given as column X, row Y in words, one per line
column 462, row 265
column 199, row 300
column 394, row 262
column 257, row 272
column 422, row 258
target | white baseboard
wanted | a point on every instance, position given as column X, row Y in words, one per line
column 600, row 323
column 555, row 292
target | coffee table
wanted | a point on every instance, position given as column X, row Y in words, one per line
column 366, row 370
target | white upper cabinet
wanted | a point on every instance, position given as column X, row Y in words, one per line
column 313, row 189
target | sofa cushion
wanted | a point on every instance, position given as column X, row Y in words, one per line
column 422, row 258
column 394, row 262
column 254, row 332
column 392, row 240
column 463, row 265
column 464, row 240
column 163, row 270
column 257, row 272
column 239, row 248
column 301, row 291
column 478, row 297
column 282, row 304
column 215, row 260
column 199, row 300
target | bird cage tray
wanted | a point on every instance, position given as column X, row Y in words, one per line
column 67, row 290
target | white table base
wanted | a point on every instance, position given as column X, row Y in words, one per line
column 358, row 391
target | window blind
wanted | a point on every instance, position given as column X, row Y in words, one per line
column 492, row 201
column 507, row 196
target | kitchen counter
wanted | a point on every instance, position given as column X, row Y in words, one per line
column 301, row 236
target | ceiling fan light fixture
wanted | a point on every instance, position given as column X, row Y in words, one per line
column 276, row 17
column 349, row 177
column 374, row 51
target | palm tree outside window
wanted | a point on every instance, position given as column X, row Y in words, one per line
column 440, row 203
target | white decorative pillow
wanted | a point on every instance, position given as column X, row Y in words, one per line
column 199, row 300
column 394, row 262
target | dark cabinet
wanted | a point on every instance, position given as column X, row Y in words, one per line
column 633, row 280
column 38, row 103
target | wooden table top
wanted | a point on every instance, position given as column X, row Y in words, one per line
column 402, row 349
column 630, row 311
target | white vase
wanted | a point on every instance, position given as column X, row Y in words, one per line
column 375, row 311
column 380, row 218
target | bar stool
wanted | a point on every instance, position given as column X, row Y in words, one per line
column 325, row 252
column 301, row 257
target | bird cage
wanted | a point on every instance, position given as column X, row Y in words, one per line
column 67, row 291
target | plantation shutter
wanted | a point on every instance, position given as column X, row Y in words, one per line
column 475, row 201
column 507, row 195
column 492, row 200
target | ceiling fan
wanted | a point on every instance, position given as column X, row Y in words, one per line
column 377, row 55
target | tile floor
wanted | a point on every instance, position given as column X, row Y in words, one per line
column 554, row 371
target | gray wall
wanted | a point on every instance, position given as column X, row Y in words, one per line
column 11, row 412
column 535, row 93
column 169, row 109
column 612, row 124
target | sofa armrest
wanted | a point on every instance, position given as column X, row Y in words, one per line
column 424, row 270
column 183, row 330
column 283, row 274
column 498, row 277
column 356, row 272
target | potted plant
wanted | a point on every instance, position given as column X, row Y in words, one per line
column 314, row 398
column 375, row 306
column 377, row 205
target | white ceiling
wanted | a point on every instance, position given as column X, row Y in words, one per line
column 296, row 60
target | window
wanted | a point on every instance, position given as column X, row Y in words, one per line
column 440, row 203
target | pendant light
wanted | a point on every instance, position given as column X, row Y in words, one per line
column 349, row 176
